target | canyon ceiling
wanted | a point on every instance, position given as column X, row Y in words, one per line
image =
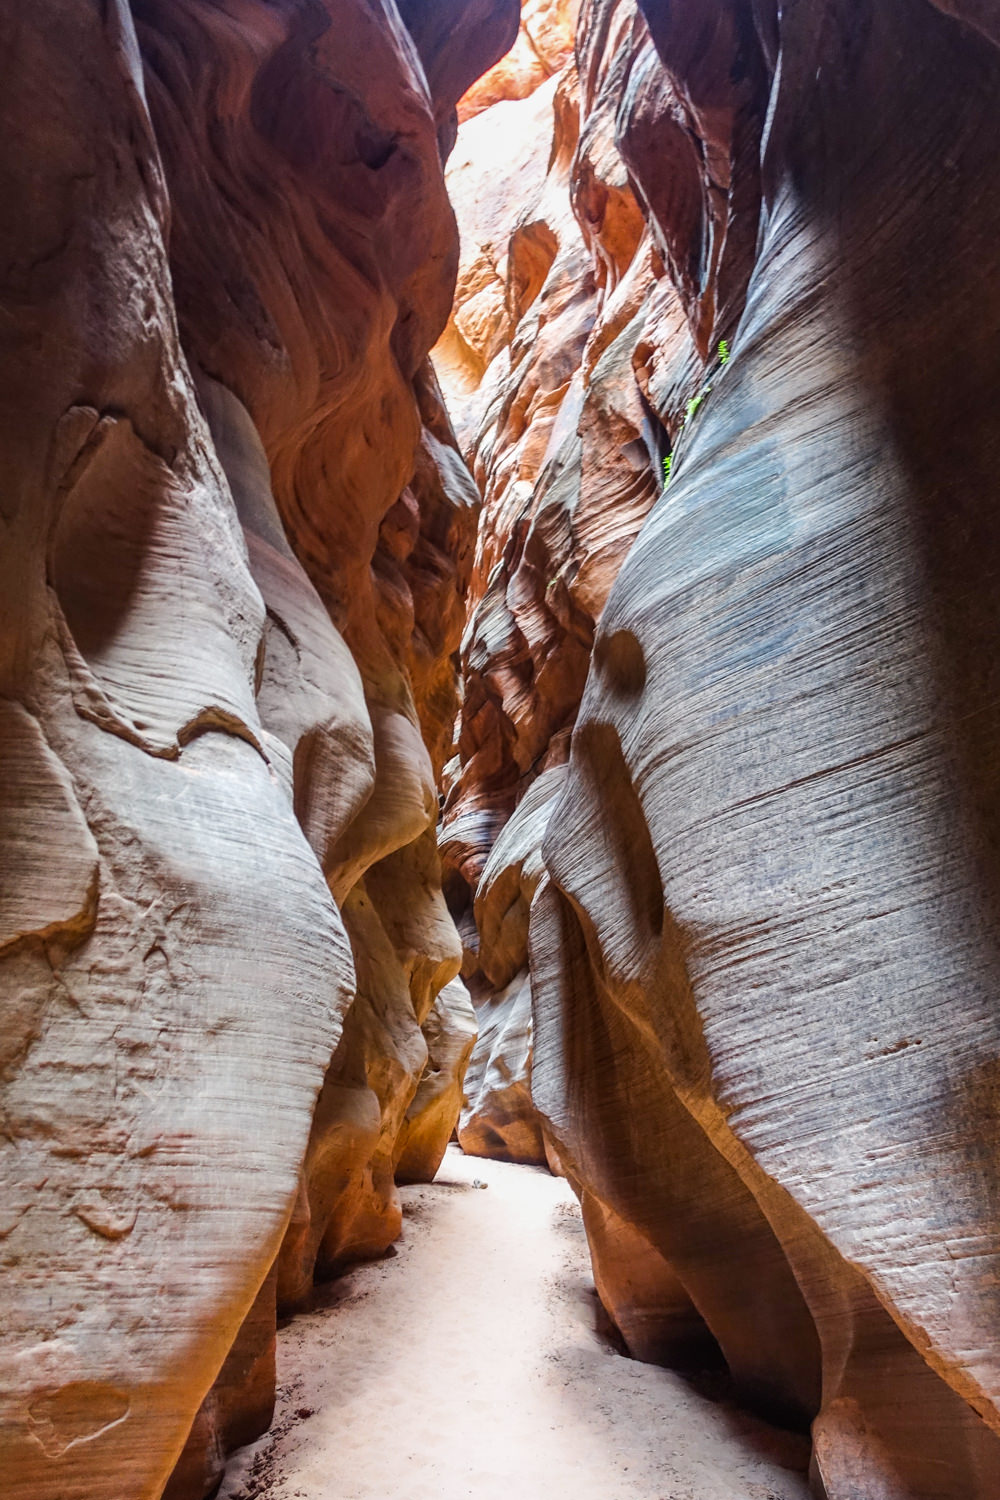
column 586, row 735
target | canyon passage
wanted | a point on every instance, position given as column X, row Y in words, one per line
column 499, row 677
column 501, row 1384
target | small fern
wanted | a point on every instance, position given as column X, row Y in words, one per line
column 695, row 402
column 692, row 409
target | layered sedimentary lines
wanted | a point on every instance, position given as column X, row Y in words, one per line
column 688, row 624
column 748, row 929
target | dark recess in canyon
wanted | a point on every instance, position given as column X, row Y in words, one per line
column 387, row 749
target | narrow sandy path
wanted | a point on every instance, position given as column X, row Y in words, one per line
column 468, row 1365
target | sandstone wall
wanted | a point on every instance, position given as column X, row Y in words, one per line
column 536, row 363
column 762, row 953
column 788, row 727
column 721, row 831
column 237, row 535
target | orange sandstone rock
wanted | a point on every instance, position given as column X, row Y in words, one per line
column 536, row 364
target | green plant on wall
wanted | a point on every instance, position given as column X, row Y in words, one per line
column 692, row 408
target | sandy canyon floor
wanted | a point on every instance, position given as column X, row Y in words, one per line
column 469, row 1365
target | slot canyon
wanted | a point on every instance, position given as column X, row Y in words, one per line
column 500, row 749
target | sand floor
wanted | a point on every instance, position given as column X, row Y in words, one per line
column 468, row 1364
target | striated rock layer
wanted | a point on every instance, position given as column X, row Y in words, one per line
column 237, row 536
column 721, row 830
column 762, row 951
column 537, row 366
